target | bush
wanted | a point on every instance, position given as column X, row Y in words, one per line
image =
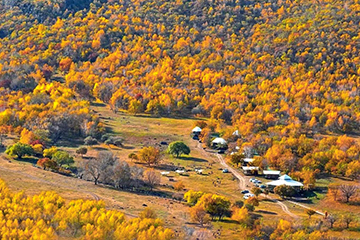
column 90, row 141
column 179, row 186
column 19, row 150
column 81, row 150
column 47, row 163
column 239, row 204
column 133, row 156
column 249, row 207
column 105, row 137
column 62, row 158
column 147, row 213
column 117, row 141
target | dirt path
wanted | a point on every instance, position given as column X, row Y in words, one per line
column 242, row 181
column 303, row 206
column 242, row 184
column 282, row 205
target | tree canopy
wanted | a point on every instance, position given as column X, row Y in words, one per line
column 178, row 148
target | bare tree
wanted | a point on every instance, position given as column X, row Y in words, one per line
column 121, row 174
column 347, row 219
column 152, row 178
column 348, row 191
column 248, row 151
column 137, row 175
column 332, row 219
column 101, row 167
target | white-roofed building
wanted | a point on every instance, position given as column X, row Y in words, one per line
column 271, row 174
column 285, row 180
column 219, row 141
column 196, row 130
column 250, row 170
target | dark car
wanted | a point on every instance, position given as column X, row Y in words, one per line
column 196, row 137
column 262, row 186
column 163, row 143
column 221, row 151
column 245, row 191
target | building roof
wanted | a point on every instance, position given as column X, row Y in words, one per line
column 250, row 168
column 271, row 172
column 285, row 180
column 236, row 133
column 248, row 160
column 219, row 141
column 196, row 129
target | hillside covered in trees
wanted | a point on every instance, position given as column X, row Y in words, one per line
column 272, row 69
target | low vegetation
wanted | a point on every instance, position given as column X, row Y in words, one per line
column 48, row 216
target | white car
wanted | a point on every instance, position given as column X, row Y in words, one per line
column 248, row 195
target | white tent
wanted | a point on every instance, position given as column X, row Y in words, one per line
column 196, row 130
column 236, row 133
column 219, row 141
column 248, row 160
column 285, row 180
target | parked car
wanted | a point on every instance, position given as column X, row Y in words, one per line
column 163, row 143
column 248, row 195
column 221, row 151
column 252, row 180
column 245, row 191
column 225, row 170
column 195, row 137
column 262, row 186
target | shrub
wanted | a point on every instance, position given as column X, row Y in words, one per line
column 249, row 207
column 147, row 213
column 81, row 150
column 90, row 141
column 133, row 156
column 179, row 186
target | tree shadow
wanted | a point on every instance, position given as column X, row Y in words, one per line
column 165, row 167
column 266, row 212
column 96, row 104
column 192, row 159
column 227, row 220
column 127, row 147
column 27, row 159
column 100, row 148
column 77, row 142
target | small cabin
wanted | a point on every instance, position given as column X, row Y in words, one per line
column 271, row 174
column 250, row 170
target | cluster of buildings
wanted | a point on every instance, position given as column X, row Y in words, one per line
column 248, row 167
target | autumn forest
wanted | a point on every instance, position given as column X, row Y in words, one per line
column 284, row 74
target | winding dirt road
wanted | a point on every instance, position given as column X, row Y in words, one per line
column 242, row 185
column 242, row 181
